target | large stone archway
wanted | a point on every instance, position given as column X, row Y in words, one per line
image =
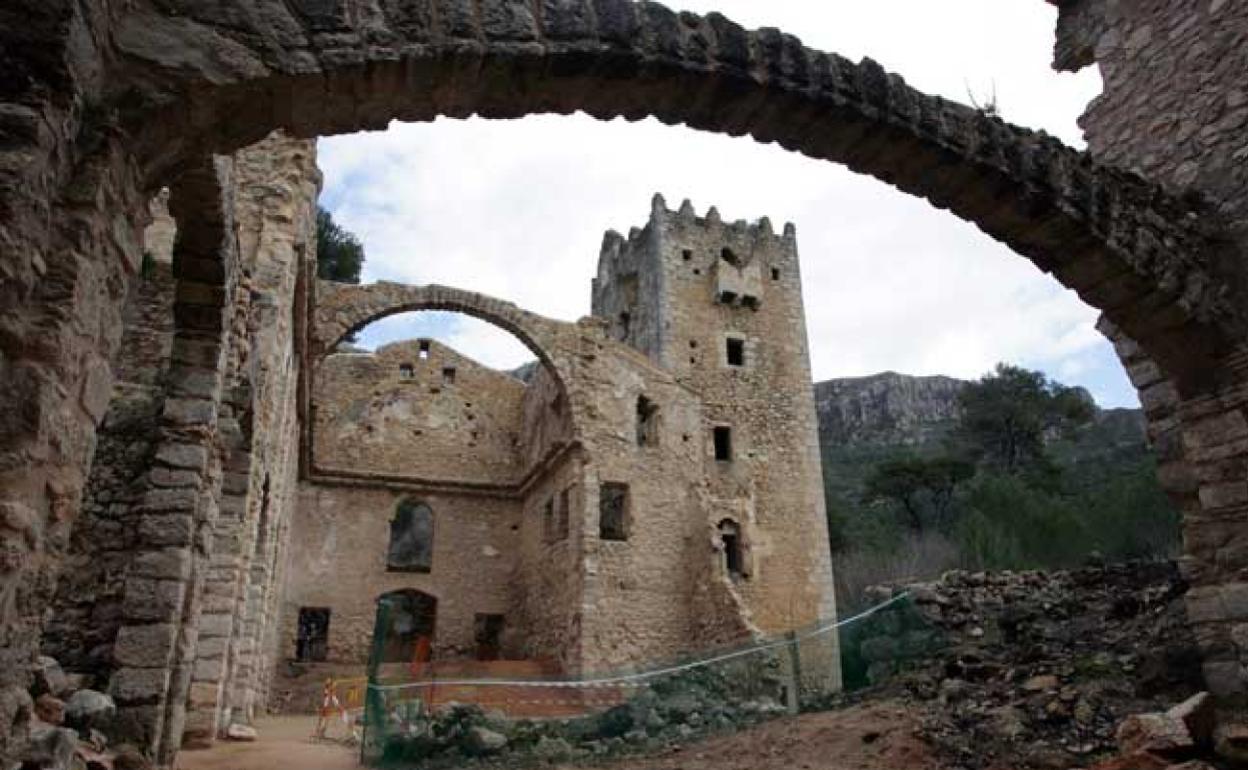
column 104, row 104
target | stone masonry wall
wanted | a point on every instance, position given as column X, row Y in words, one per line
column 276, row 188
column 340, row 537
column 1175, row 107
column 396, row 413
column 107, row 103
column 739, row 282
column 86, row 612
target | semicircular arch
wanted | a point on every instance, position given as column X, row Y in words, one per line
column 342, row 309
column 1141, row 256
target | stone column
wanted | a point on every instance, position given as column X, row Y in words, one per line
column 155, row 648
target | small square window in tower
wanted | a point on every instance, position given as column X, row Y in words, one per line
column 488, row 635
column 647, row 422
column 424, row 350
column 723, row 443
column 312, row 643
column 406, row 371
column 448, row 375
column 613, row 511
column 736, row 351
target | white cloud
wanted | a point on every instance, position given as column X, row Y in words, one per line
column 517, row 209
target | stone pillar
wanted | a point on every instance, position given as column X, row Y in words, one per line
column 155, row 649
column 218, row 623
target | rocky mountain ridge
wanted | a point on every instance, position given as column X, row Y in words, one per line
column 900, row 410
column 865, row 420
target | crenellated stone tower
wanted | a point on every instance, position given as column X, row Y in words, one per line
column 719, row 306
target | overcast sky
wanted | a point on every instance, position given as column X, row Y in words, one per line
column 517, row 209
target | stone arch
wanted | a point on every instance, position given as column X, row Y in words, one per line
column 1164, row 269
column 200, row 77
column 342, row 309
column 1129, row 249
column 406, row 623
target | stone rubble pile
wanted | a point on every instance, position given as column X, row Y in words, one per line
column 1035, row 669
column 70, row 725
column 667, row 713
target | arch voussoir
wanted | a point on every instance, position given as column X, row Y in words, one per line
column 343, row 309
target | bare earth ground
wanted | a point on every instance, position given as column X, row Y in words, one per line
column 285, row 744
column 876, row 736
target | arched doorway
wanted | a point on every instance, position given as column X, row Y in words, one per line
column 405, row 624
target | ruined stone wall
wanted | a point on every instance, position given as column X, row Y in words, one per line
column 86, row 612
column 546, row 418
column 549, row 574
column 733, row 281
column 106, row 103
column 1175, row 107
column 628, row 293
column 339, row 541
column 637, row 598
column 276, row 188
column 438, row 415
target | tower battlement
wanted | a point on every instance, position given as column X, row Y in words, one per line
column 680, row 275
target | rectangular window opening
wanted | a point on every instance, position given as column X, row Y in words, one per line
column 406, row 371
column 723, row 443
column 448, row 375
column 312, row 640
column 613, row 511
column 647, row 422
column 424, row 350
column 727, row 297
column 775, row 274
column 686, row 254
column 736, row 351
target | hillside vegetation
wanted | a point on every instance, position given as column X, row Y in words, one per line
column 1012, row 471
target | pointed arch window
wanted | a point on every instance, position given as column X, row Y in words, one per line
column 411, row 538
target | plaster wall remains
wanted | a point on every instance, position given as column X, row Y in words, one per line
column 418, row 409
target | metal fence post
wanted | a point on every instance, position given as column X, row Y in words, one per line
column 794, row 673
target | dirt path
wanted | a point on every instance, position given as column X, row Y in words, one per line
column 871, row 737
column 284, row 744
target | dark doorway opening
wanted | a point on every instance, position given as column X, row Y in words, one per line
column 488, row 633
column 312, row 639
column 405, row 625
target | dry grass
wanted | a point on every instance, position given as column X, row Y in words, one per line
column 916, row 557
